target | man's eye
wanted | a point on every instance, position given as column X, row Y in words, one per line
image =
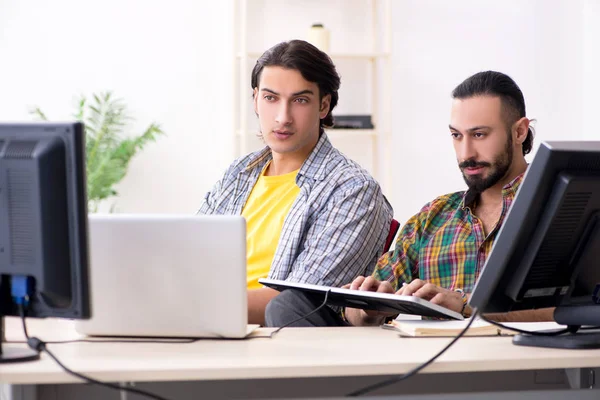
column 269, row 97
column 455, row 135
column 479, row 134
column 301, row 101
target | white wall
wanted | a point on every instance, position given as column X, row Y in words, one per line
column 438, row 43
column 171, row 61
column 591, row 69
column 350, row 23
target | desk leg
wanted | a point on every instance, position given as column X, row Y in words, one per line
column 18, row 392
column 583, row 378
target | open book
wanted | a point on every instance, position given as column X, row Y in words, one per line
column 431, row 328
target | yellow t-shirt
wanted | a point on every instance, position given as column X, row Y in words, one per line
column 266, row 208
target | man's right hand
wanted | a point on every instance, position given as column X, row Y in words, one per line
column 358, row 317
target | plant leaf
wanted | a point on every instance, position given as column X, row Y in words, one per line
column 108, row 153
column 38, row 114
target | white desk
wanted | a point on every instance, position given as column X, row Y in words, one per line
column 327, row 361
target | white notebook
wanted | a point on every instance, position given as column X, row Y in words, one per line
column 432, row 328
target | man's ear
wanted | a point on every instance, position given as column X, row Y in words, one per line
column 325, row 103
column 520, row 130
column 255, row 99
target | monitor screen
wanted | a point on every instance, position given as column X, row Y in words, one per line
column 43, row 219
column 546, row 251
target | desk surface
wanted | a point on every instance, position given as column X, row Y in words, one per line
column 292, row 353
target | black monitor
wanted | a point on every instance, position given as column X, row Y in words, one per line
column 547, row 252
column 43, row 224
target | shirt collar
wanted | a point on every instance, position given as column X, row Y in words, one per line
column 313, row 167
column 508, row 190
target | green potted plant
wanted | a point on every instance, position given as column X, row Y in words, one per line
column 108, row 150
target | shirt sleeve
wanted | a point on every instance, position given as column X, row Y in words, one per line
column 221, row 191
column 402, row 263
column 345, row 238
column 209, row 203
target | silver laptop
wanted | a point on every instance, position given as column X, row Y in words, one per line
column 167, row 276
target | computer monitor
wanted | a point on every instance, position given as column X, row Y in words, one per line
column 43, row 224
column 547, row 251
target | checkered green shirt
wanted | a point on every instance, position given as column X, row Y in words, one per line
column 444, row 243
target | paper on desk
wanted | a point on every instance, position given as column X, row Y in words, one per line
column 431, row 328
column 535, row 326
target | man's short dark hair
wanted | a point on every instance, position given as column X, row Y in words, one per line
column 492, row 83
column 313, row 64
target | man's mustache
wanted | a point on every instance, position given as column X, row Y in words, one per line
column 473, row 164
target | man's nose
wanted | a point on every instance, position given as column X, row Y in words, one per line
column 466, row 150
column 284, row 114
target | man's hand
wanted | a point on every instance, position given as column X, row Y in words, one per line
column 443, row 297
column 358, row 317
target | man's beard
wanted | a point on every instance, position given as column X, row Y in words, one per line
column 500, row 167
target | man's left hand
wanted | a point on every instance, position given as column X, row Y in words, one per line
column 437, row 295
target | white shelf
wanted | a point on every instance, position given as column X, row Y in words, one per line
column 334, row 56
column 369, row 60
column 330, row 132
column 351, row 132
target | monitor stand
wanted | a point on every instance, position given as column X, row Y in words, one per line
column 573, row 316
column 14, row 354
column 580, row 340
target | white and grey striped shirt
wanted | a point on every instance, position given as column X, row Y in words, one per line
column 337, row 226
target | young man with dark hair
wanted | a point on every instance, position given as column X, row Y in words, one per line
column 313, row 215
column 441, row 251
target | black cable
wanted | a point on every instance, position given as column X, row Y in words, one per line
column 22, row 313
column 415, row 370
column 167, row 341
column 270, row 336
column 134, row 341
column 532, row 333
column 420, row 367
column 39, row 346
column 302, row 317
column 87, row 379
column 146, row 341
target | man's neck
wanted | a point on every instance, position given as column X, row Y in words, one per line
column 492, row 197
column 284, row 163
column 281, row 165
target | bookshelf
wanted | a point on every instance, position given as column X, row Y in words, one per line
column 360, row 46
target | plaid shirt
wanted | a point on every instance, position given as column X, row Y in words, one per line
column 336, row 227
column 444, row 243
